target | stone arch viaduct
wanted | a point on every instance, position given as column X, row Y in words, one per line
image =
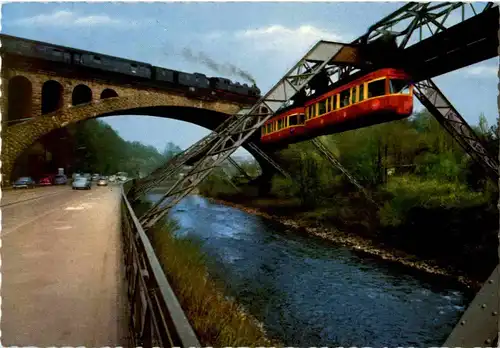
column 38, row 102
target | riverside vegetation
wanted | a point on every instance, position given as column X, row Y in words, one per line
column 435, row 203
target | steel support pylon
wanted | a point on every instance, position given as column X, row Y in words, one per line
column 269, row 160
column 238, row 167
column 323, row 150
column 437, row 104
column 240, row 127
column 177, row 162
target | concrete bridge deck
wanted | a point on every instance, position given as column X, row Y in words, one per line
column 62, row 277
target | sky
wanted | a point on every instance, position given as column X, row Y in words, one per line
column 263, row 39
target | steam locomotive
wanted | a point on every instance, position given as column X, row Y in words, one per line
column 159, row 76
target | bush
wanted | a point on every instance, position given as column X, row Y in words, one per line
column 408, row 192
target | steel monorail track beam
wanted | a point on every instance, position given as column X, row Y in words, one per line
column 437, row 104
column 417, row 21
column 323, row 56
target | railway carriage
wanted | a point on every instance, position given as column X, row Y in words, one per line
column 289, row 126
column 112, row 64
column 380, row 96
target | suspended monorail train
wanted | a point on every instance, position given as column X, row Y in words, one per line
column 380, row 96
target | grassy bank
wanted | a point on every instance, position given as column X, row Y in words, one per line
column 216, row 320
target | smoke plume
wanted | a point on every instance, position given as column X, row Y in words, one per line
column 224, row 69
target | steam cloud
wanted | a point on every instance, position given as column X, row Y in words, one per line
column 225, row 69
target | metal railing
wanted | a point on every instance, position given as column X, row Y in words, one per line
column 156, row 317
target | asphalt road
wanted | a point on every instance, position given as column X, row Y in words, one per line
column 62, row 275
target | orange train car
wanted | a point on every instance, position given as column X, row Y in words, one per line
column 381, row 96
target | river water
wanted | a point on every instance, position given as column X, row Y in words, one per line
column 307, row 291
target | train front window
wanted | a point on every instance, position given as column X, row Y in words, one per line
column 376, row 88
column 397, row 86
column 292, row 120
column 302, row 119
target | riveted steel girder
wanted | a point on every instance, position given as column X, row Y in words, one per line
column 478, row 326
column 324, row 58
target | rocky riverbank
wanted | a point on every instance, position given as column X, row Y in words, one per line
column 359, row 243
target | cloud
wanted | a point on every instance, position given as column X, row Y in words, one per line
column 482, row 71
column 278, row 38
column 66, row 18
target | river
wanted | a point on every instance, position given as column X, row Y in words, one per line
column 307, row 291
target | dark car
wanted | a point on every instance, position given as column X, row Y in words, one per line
column 60, row 180
column 24, row 182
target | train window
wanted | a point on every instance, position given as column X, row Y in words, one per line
column 97, row 59
column 333, row 102
column 361, row 92
column 312, row 111
column 302, row 119
column 376, row 88
column 133, row 65
column 307, row 113
column 293, row 120
column 344, row 98
column 280, row 124
column 397, row 86
column 321, row 108
column 328, row 104
column 354, row 99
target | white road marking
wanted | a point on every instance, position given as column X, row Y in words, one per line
column 63, row 228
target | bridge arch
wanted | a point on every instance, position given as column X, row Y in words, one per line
column 52, row 96
column 20, row 98
column 82, row 94
column 202, row 113
column 108, row 93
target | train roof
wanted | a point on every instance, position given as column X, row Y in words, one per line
column 77, row 50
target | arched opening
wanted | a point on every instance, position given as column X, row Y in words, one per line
column 108, row 93
column 20, row 98
column 56, row 155
column 52, row 96
column 81, row 95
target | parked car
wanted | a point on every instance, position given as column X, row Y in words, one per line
column 60, row 179
column 112, row 178
column 102, row 182
column 81, row 183
column 24, row 182
column 45, row 181
column 95, row 177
